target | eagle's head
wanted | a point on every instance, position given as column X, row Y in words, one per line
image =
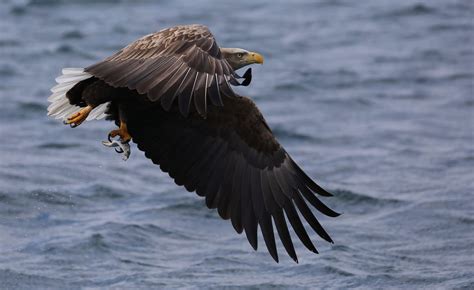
column 238, row 57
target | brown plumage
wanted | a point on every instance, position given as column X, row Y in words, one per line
column 178, row 62
column 223, row 150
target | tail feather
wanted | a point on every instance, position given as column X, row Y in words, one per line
column 98, row 112
column 60, row 107
column 72, row 70
column 69, row 78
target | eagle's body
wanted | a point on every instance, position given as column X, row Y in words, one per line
column 170, row 92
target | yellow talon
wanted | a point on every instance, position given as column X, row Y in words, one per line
column 76, row 119
column 122, row 132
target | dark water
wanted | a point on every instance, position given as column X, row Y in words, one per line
column 373, row 98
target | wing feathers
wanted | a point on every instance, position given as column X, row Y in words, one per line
column 153, row 64
column 185, row 96
column 265, row 223
column 313, row 222
column 214, row 92
column 236, row 194
column 200, row 96
column 284, row 234
column 309, row 196
column 232, row 159
column 225, row 189
column 298, row 227
column 306, row 180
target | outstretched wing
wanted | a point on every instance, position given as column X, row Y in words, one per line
column 182, row 62
column 233, row 159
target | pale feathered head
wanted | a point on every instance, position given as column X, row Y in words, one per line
column 238, row 57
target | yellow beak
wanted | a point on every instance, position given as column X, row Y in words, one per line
column 254, row 57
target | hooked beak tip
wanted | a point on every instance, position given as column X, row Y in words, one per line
column 256, row 58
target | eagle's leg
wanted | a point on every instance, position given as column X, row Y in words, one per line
column 76, row 119
column 122, row 146
column 122, row 131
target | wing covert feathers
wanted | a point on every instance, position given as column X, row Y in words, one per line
column 181, row 63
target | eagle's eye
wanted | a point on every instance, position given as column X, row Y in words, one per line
column 239, row 55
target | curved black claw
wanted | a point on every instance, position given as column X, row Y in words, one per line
column 72, row 125
column 119, row 146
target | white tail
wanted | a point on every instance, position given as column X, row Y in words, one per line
column 60, row 107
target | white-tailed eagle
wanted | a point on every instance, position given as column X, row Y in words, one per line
column 170, row 93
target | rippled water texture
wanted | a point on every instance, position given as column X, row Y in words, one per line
column 373, row 98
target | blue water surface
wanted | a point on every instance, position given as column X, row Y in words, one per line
column 374, row 99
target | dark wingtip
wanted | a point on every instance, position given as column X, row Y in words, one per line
column 327, row 238
column 294, row 258
column 331, row 213
column 325, row 192
column 335, row 214
column 254, row 246
column 308, row 181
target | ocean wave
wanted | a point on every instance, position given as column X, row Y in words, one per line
column 95, row 241
column 16, row 280
column 412, row 10
column 292, row 87
column 10, row 42
column 18, row 10
column 63, row 2
column 58, row 49
column 71, row 246
column 57, row 145
column 35, row 107
column 6, row 198
column 184, row 206
column 348, row 197
column 338, row 271
column 283, row 133
column 139, row 263
column 134, row 228
column 51, row 197
column 130, row 230
column 7, row 70
column 193, row 207
column 451, row 27
column 72, row 34
column 101, row 192
column 221, row 261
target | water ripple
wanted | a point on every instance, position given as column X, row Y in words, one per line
column 373, row 98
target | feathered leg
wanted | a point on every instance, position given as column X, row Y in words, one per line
column 122, row 132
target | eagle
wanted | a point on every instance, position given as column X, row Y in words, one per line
column 170, row 92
